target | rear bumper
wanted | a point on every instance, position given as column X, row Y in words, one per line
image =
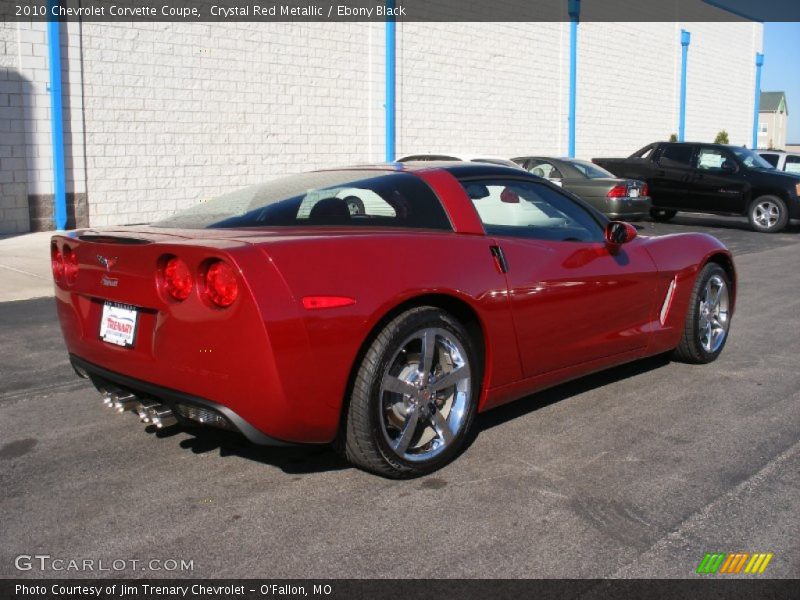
column 172, row 398
column 627, row 208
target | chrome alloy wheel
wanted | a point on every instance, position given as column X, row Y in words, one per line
column 766, row 214
column 713, row 314
column 425, row 394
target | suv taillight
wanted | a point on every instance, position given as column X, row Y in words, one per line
column 221, row 284
column 178, row 280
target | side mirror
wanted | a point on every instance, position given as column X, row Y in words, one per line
column 618, row 233
column 509, row 196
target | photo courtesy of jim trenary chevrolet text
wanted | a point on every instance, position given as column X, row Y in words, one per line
column 399, row 298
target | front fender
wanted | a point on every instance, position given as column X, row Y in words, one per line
column 679, row 258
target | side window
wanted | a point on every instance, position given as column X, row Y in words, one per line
column 542, row 168
column 792, row 164
column 531, row 210
column 771, row 159
column 676, row 155
column 712, row 159
column 361, row 203
column 646, row 152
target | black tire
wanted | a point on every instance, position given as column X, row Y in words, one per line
column 662, row 215
column 768, row 214
column 691, row 348
column 365, row 439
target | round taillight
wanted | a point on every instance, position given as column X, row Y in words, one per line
column 222, row 285
column 57, row 262
column 70, row 260
column 178, row 280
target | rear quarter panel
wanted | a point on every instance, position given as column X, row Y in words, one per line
column 382, row 272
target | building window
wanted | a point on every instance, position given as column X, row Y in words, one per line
column 762, row 128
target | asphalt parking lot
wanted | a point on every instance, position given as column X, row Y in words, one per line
column 635, row 472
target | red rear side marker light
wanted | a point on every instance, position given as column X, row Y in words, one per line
column 70, row 260
column 178, row 280
column 57, row 262
column 222, row 285
column 618, row 191
column 314, row 302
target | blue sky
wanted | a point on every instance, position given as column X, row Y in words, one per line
column 781, row 70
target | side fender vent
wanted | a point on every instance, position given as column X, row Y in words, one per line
column 662, row 317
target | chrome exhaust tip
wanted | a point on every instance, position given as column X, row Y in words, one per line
column 122, row 402
column 144, row 409
column 161, row 416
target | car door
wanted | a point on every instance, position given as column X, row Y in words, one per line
column 717, row 184
column 573, row 301
column 669, row 182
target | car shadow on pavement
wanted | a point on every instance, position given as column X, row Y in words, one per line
column 294, row 460
column 545, row 398
column 298, row 460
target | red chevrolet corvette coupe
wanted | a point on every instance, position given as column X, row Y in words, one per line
column 377, row 307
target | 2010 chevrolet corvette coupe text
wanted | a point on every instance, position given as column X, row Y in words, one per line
column 378, row 308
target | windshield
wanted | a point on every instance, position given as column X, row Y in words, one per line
column 322, row 198
column 590, row 170
column 750, row 158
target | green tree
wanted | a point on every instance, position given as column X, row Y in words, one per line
column 722, row 138
column 673, row 137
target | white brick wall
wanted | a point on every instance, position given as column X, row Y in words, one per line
column 494, row 88
column 25, row 121
column 629, row 74
column 178, row 113
column 721, row 80
column 175, row 113
column 13, row 169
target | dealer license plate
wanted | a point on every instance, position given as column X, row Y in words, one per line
column 118, row 324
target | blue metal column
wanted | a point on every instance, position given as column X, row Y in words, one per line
column 757, row 105
column 574, row 8
column 56, row 122
column 686, row 39
column 390, row 84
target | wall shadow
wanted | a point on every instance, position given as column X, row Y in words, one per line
column 40, row 206
column 15, row 145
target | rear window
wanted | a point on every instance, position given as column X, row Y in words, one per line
column 590, row 170
column 319, row 199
